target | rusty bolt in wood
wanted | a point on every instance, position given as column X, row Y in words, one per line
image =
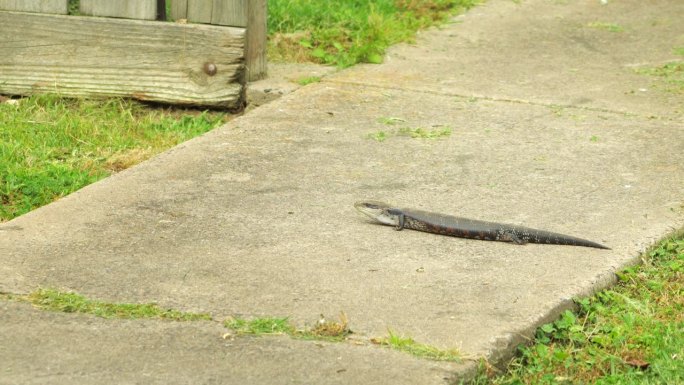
column 210, row 69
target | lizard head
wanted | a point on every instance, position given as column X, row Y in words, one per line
column 381, row 212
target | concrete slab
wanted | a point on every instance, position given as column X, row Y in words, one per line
column 256, row 218
column 547, row 52
column 283, row 78
column 40, row 347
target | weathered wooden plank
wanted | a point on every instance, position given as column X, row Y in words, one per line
column 229, row 12
column 42, row 6
column 255, row 42
column 190, row 64
column 129, row 9
column 199, row 11
column 219, row 12
column 249, row 13
column 179, row 9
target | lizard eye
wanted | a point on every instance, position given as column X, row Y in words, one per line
column 370, row 205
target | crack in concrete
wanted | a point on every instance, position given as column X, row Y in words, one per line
column 503, row 100
column 234, row 333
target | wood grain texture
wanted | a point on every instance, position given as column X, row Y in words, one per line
column 199, row 11
column 129, row 9
column 218, row 12
column 146, row 60
column 251, row 14
column 229, row 12
column 43, row 6
column 255, row 42
column 179, row 9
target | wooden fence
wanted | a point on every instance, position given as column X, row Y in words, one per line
column 203, row 57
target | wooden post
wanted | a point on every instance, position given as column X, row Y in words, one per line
column 255, row 43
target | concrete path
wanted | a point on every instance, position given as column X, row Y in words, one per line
column 551, row 127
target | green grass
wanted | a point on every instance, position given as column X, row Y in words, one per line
column 630, row 334
column 73, row 7
column 412, row 132
column 425, row 133
column 50, row 147
column 336, row 331
column 390, row 120
column 53, row 300
column 323, row 330
column 379, row 136
column 669, row 76
column 410, row 346
column 260, row 326
column 344, row 32
column 610, row 27
column 308, row 80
